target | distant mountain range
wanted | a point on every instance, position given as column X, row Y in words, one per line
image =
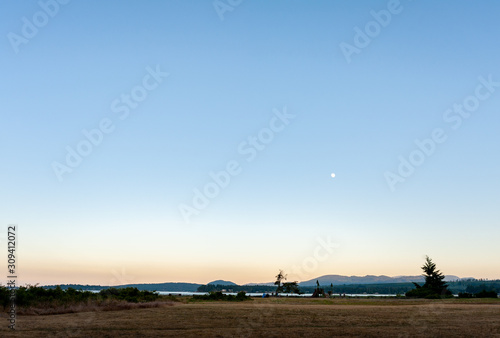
column 369, row 279
column 323, row 280
column 222, row 282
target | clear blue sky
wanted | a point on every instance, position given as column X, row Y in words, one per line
column 116, row 217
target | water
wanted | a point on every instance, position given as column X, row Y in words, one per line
column 259, row 294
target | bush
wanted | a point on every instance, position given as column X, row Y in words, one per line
column 34, row 296
column 481, row 294
column 129, row 294
column 487, row 294
column 465, row 295
column 218, row 295
column 428, row 293
column 241, row 295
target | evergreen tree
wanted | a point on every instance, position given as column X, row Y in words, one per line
column 318, row 292
column 433, row 278
column 279, row 278
column 434, row 286
column 291, row 287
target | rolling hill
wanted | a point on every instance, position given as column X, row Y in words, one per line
column 368, row 279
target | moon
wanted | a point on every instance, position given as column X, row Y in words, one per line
column 332, row 175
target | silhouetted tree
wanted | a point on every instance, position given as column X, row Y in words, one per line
column 279, row 278
column 291, row 287
column 433, row 278
column 434, row 286
column 318, row 292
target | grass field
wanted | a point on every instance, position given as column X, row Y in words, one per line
column 276, row 317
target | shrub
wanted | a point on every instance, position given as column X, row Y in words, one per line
column 241, row 295
column 428, row 293
column 38, row 297
column 465, row 295
column 487, row 294
column 218, row 295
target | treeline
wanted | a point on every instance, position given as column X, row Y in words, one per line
column 474, row 286
column 387, row 288
column 77, row 287
column 34, row 296
column 177, row 287
column 384, row 288
column 471, row 286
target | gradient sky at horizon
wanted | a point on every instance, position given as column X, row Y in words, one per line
column 115, row 219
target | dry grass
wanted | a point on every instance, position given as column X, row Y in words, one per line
column 277, row 318
column 90, row 306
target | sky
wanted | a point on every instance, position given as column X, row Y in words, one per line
column 189, row 141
